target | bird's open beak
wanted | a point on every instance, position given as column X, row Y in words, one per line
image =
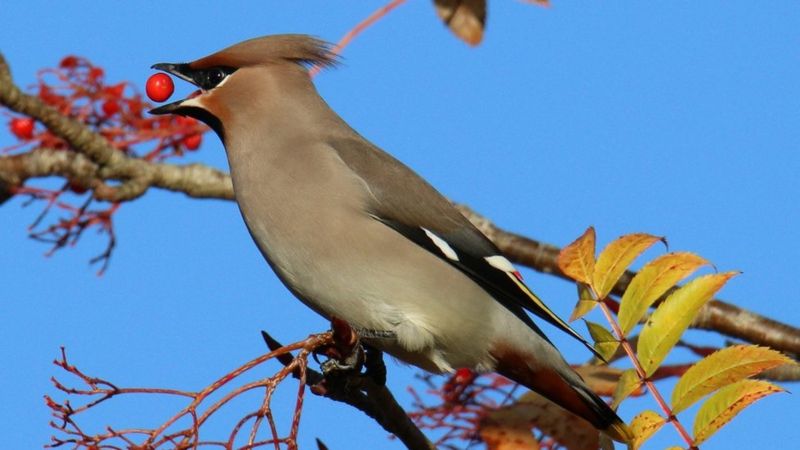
column 181, row 71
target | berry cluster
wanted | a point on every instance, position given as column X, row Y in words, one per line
column 78, row 88
column 117, row 112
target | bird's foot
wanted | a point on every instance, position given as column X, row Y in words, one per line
column 345, row 355
column 341, row 365
column 348, row 355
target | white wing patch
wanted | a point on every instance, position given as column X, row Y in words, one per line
column 500, row 262
column 442, row 245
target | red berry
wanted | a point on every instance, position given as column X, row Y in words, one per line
column 110, row 107
column 192, row 142
column 159, row 87
column 95, row 73
column 69, row 62
column 22, row 127
column 462, row 376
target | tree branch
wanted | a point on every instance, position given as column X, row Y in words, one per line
column 365, row 394
column 76, row 134
column 716, row 315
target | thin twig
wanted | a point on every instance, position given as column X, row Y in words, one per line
column 358, row 29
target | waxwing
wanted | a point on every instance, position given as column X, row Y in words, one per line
column 358, row 236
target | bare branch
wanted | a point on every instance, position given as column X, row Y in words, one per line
column 365, row 394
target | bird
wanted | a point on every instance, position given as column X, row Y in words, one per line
column 358, row 236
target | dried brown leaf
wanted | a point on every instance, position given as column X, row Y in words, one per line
column 465, row 18
column 603, row 380
column 569, row 430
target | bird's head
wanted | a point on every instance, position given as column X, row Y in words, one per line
column 231, row 79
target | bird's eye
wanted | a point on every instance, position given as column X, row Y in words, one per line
column 210, row 78
column 215, row 76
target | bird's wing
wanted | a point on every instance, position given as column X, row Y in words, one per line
column 402, row 200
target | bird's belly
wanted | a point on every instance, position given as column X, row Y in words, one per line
column 368, row 275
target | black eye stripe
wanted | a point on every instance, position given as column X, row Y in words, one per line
column 209, row 78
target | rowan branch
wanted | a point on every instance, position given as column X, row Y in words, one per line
column 98, row 163
column 364, row 393
column 76, row 134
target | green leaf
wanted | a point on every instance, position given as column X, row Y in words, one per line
column 577, row 259
column 655, row 278
column 585, row 303
column 615, row 259
column 668, row 322
column 723, row 406
column 645, row 425
column 722, row 368
column 629, row 383
column 604, row 342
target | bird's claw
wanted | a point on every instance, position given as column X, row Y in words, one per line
column 350, row 363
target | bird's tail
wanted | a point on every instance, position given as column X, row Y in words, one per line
column 569, row 391
column 603, row 418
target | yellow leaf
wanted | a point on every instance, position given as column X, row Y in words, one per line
column 615, row 259
column 628, row 383
column 722, row 368
column 604, row 342
column 645, row 425
column 723, row 406
column 652, row 282
column 577, row 259
column 668, row 322
column 674, row 447
column 466, row 18
column 585, row 302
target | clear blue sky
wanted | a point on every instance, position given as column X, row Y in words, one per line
column 674, row 118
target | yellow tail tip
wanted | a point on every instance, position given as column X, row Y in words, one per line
column 619, row 432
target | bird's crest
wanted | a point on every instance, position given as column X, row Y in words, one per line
column 294, row 48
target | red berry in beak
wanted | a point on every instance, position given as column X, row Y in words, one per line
column 159, row 87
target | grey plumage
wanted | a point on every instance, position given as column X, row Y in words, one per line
column 357, row 235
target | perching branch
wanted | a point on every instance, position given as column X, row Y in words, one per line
column 97, row 163
column 364, row 393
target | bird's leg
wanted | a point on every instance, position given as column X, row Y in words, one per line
column 374, row 367
column 349, row 353
column 346, row 354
